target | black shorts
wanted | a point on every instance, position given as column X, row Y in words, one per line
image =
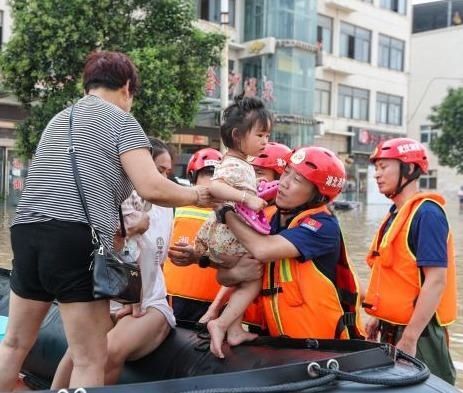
column 51, row 261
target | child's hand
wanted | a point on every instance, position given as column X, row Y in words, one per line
column 255, row 203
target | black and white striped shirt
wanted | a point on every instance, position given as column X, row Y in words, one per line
column 101, row 133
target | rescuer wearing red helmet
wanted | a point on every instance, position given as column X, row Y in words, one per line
column 191, row 289
column 305, row 261
column 412, row 290
column 203, row 162
column 271, row 163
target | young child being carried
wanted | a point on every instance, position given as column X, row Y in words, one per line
column 245, row 132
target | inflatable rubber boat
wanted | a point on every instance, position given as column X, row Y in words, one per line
column 183, row 363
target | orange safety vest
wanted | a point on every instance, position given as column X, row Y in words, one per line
column 192, row 282
column 301, row 302
column 395, row 280
column 254, row 314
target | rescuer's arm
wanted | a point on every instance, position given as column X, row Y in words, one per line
column 264, row 248
column 247, row 269
column 426, row 306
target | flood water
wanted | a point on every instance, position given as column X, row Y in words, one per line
column 358, row 226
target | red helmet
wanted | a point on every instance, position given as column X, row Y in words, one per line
column 273, row 157
column 203, row 158
column 321, row 167
column 406, row 150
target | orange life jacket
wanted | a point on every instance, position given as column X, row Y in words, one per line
column 192, row 282
column 254, row 314
column 301, row 302
column 395, row 280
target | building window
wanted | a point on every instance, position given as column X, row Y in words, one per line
column 254, row 20
column 210, row 10
column 427, row 134
column 430, row 16
column 399, row 6
column 391, row 53
column 353, row 103
column 437, row 15
column 355, row 42
column 294, row 79
column 282, row 19
column 325, row 33
column 322, row 101
column 429, row 180
column 291, row 19
column 388, row 109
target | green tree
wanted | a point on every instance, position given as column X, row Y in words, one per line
column 43, row 60
column 448, row 117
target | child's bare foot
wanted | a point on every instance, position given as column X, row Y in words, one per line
column 237, row 335
column 217, row 334
column 211, row 313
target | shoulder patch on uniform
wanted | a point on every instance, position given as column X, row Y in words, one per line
column 312, row 224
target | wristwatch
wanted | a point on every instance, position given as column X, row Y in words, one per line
column 220, row 214
column 204, row 261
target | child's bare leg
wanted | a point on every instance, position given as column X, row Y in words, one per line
column 243, row 295
column 237, row 335
column 214, row 309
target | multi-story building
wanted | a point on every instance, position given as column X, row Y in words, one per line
column 435, row 66
column 361, row 81
column 272, row 52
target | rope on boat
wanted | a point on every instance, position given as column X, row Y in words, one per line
column 414, row 379
column 310, row 385
column 320, row 378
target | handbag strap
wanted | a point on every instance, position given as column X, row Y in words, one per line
column 121, row 219
column 72, row 153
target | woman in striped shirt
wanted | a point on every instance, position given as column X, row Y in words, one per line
column 50, row 236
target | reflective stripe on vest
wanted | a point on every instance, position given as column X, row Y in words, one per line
column 190, row 282
column 254, row 314
column 300, row 301
column 192, row 212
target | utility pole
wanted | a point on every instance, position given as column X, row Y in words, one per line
column 224, row 21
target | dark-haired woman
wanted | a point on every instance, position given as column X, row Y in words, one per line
column 50, row 235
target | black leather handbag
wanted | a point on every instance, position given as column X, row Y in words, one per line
column 113, row 278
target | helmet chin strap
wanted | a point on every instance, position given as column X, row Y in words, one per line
column 405, row 173
column 317, row 200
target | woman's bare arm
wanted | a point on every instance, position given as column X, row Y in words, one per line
column 154, row 187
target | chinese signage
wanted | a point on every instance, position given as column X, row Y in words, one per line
column 17, row 174
column 212, row 82
column 365, row 140
column 264, row 46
